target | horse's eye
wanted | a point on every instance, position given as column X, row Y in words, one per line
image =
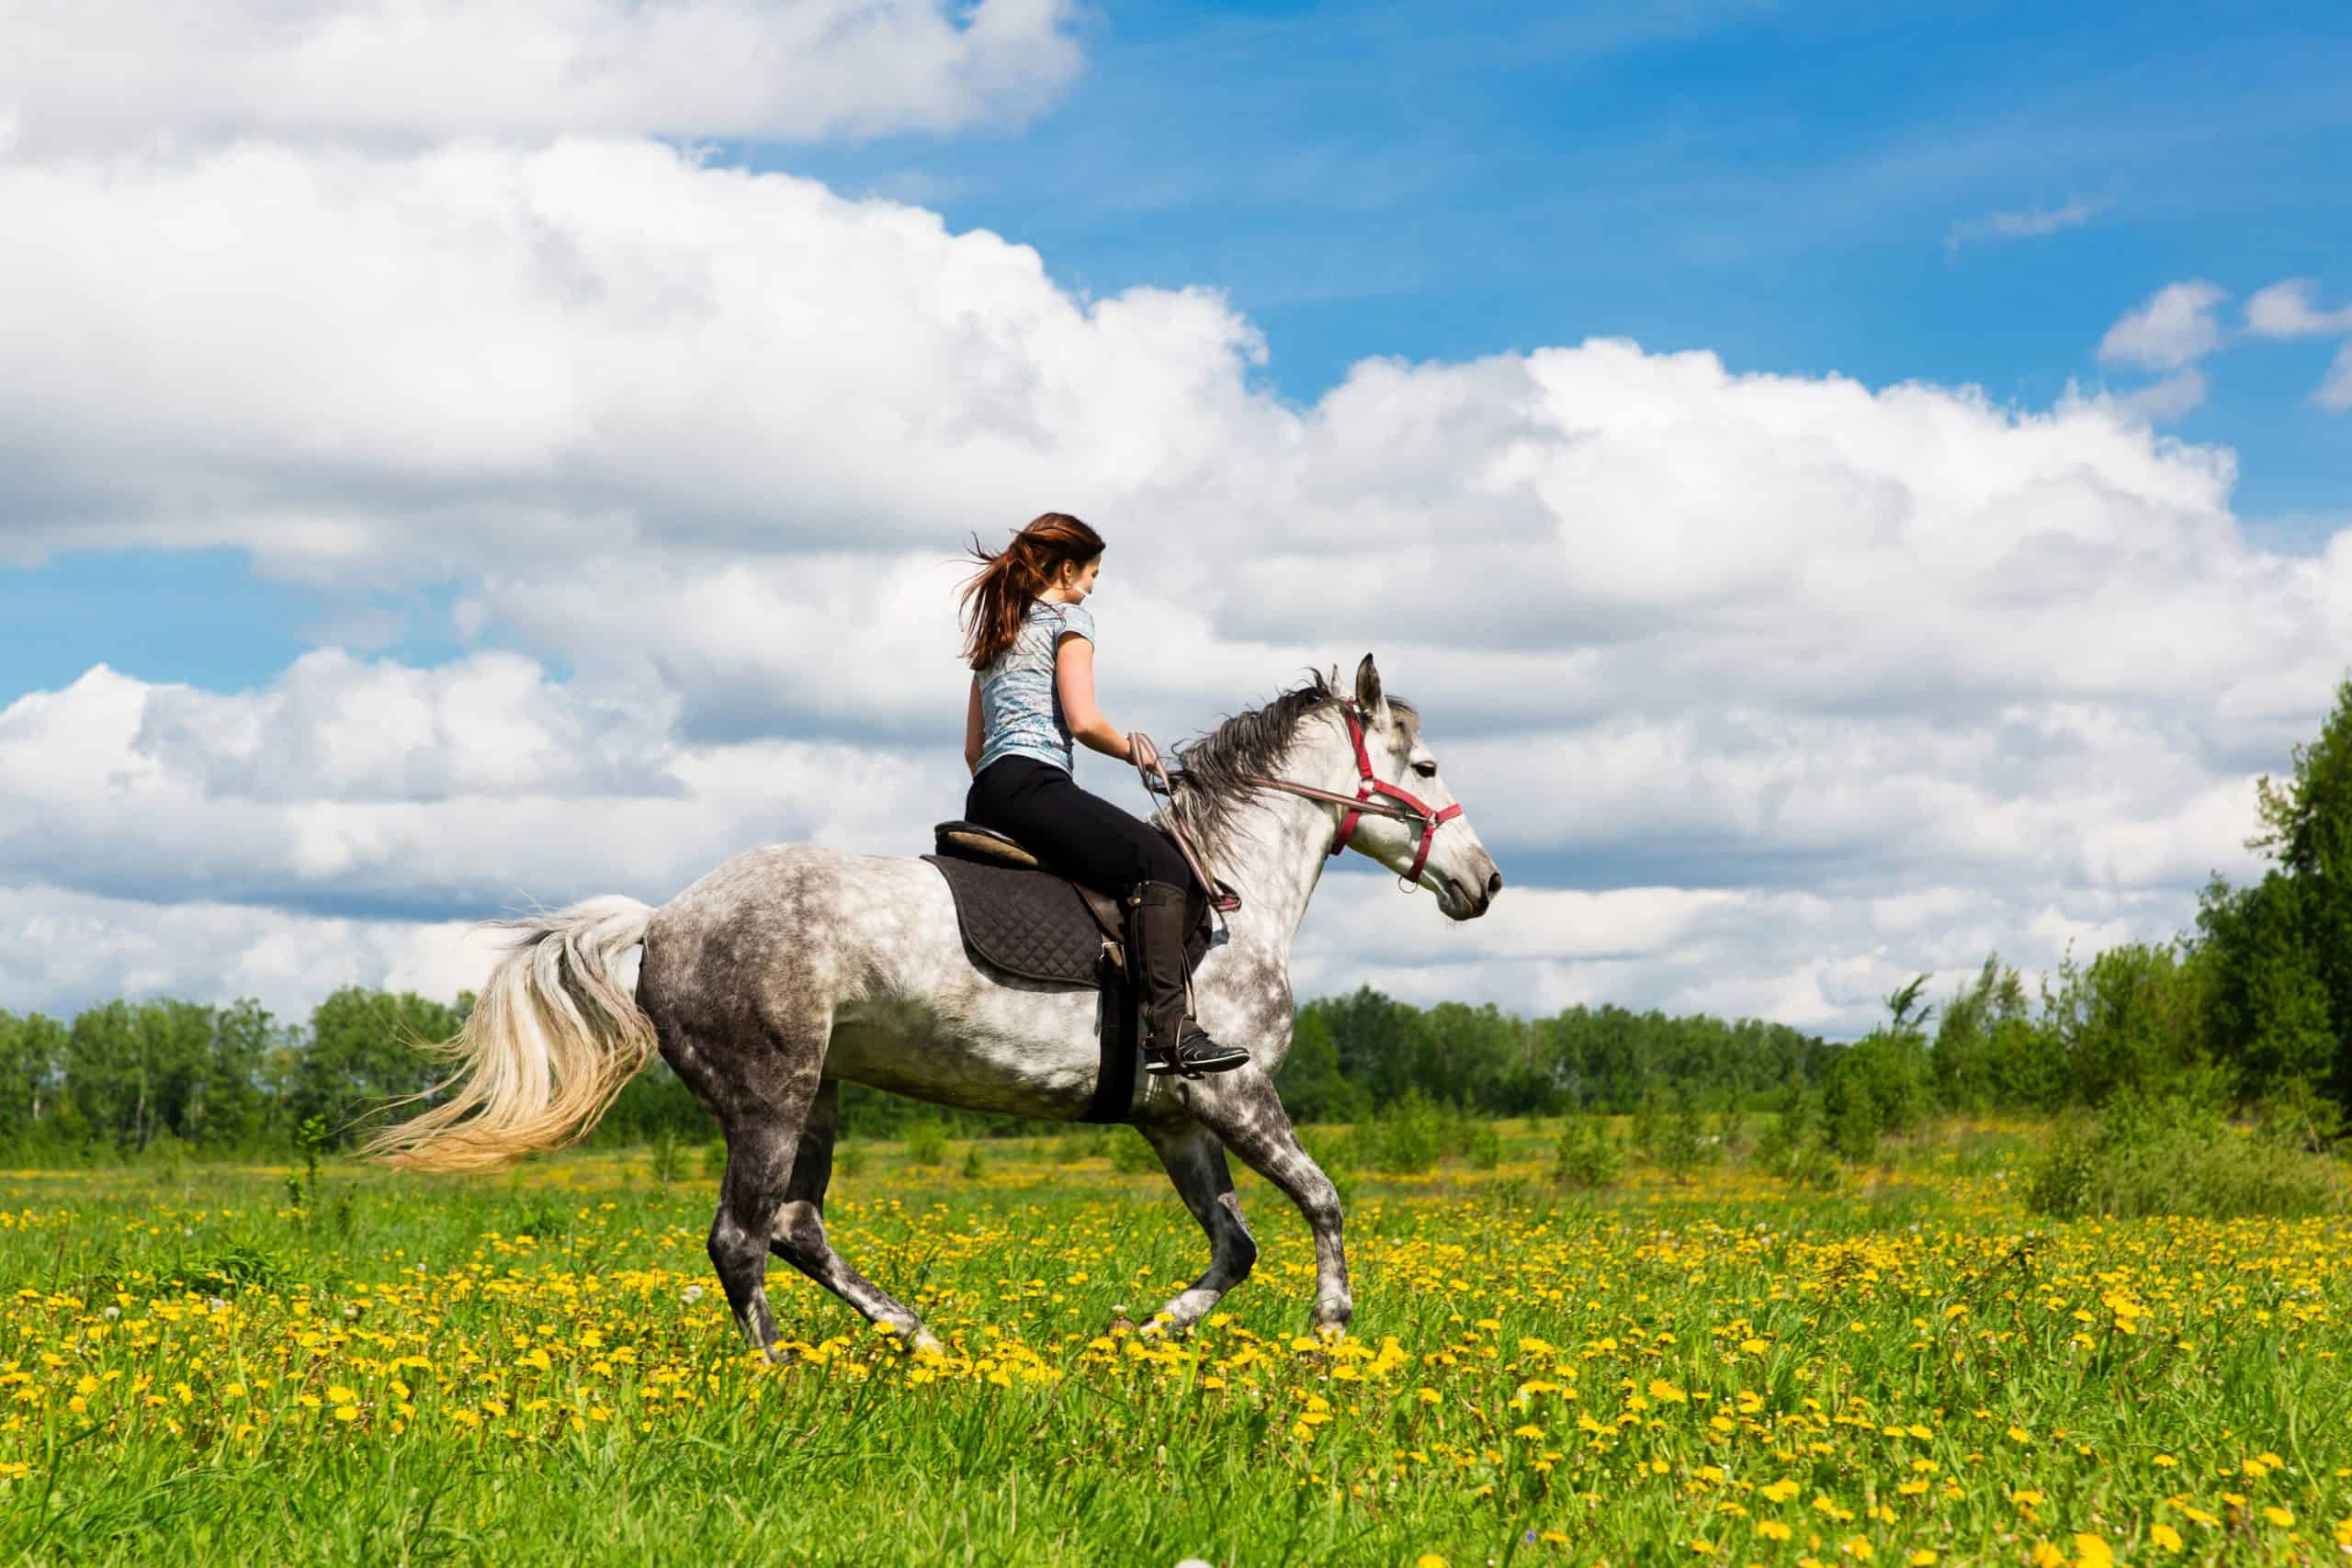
column 1427, row 770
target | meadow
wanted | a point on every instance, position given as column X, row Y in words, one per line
column 1711, row 1365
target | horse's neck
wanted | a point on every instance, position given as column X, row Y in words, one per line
column 1274, row 862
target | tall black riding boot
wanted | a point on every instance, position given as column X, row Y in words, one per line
column 1156, row 915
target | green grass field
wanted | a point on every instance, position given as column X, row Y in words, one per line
column 194, row 1365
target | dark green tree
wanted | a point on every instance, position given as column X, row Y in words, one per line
column 2307, row 829
column 363, row 1052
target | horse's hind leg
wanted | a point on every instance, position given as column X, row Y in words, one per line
column 1242, row 1109
column 1195, row 1163
column 799, row 1236
column 762, row 1100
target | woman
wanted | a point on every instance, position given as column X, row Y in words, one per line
column 1030, row 642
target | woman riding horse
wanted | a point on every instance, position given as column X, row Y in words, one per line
column 1030, row 641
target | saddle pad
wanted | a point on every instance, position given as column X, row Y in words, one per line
column 1029, row 923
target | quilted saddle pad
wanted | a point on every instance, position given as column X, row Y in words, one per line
column 1030, row 923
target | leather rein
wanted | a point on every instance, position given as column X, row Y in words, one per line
column 1375, row 797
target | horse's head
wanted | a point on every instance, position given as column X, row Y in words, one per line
column 1363, row 760
column 1381, row 753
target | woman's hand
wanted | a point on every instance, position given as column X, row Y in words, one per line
column 1140, row 751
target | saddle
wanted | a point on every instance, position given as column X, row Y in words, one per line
column 1020, row 919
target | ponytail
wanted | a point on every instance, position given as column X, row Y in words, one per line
column 997, row 596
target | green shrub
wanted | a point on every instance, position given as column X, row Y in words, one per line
column 1408, row 1136
column 1335, row 1152
column 1083, row 1142
column 926, row 1140
column 1853, row 1129
column 1732, row 1132
column 1479, row 1143
column 1586, row 1156
column 1649, row 1121
column 714, row 1157
column 1682, row 1143
column 669, row 1157
column 2174, row 1155
column 974, row 1165
column 1795, row 1146
column 1133, row 1154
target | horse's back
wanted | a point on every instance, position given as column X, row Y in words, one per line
column 859, row 956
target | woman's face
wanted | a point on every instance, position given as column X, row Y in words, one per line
column 1077, row 581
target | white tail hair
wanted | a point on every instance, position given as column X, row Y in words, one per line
column 552, row 1039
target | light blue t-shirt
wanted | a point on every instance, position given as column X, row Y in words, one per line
column 1020, row 705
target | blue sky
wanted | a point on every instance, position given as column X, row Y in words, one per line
column 1780, row 183
column 468, row 511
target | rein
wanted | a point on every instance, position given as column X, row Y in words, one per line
column 1375, row 797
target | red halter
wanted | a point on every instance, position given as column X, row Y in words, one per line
column 1368, row 800
column 1374, row 785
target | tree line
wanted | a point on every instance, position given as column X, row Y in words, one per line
column 2252, row 1007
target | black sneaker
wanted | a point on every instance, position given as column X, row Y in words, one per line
column 1195, row 1056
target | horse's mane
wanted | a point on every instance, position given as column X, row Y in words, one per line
column 1217, row 766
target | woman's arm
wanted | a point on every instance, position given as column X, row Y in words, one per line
column 972, row 733
column 1074, row 679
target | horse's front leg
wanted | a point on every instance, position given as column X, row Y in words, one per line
column 1241, row 1108
column 1195, row 1163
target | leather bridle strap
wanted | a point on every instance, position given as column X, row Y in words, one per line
column 1375, row 796
column 1222, row 898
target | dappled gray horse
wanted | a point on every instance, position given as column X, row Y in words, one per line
column 791, row 968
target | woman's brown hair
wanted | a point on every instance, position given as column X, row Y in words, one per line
column 1009, row 579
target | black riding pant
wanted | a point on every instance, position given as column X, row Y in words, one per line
column 1072, row 833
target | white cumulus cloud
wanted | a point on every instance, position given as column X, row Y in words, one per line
column 2290, row 309
column 2334, row 393
column 110, row 74
column 1766, row 689
column 2174, row 327
column 2160, row 402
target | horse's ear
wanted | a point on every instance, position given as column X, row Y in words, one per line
column 1368, row 693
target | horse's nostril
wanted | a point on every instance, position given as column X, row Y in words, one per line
column 1494, row 884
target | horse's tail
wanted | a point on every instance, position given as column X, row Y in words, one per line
column 551, row 1040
